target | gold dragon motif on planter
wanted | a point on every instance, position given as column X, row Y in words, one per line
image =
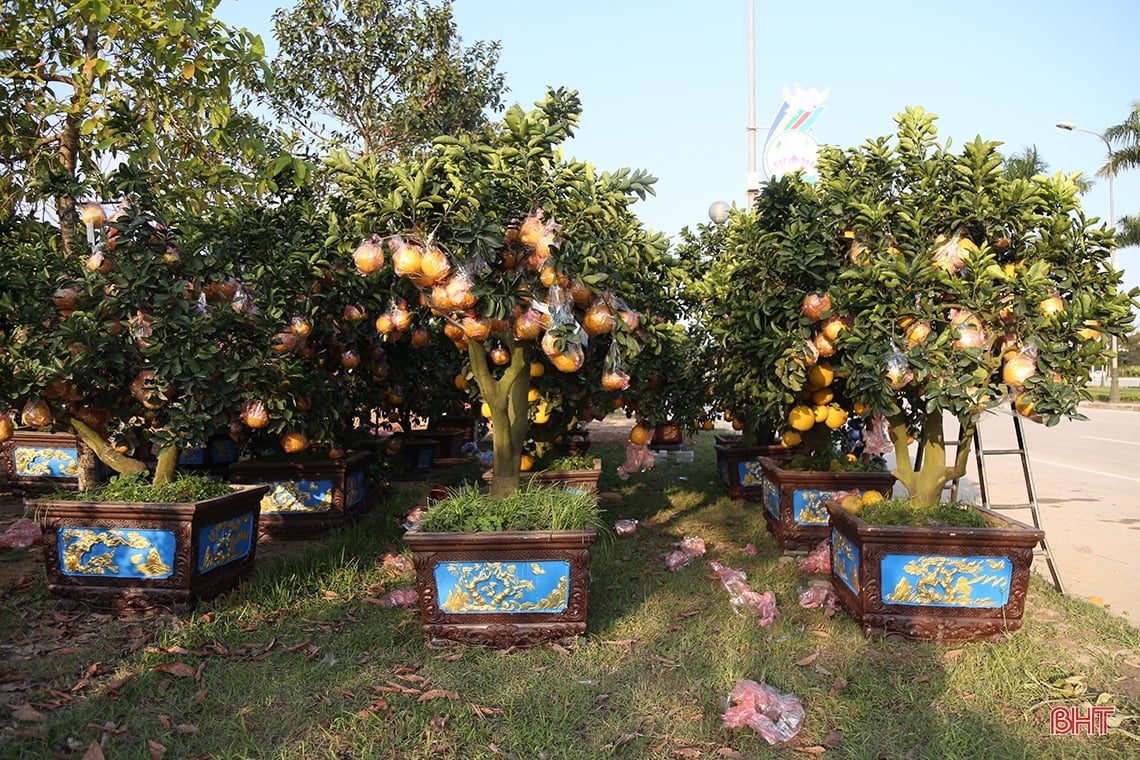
column 79, row 543
column 950, row 581
column 496, row 587
column 38, row 462
column 223, row 543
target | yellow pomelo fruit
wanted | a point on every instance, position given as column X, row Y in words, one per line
column 485, row 408
column 801, row 418
column 851, row 503
column 790, row 439
column 871, row 497
column 836, row 417
column 820, row 412
column 526, row 464
column 823, row 396
column 821, row 375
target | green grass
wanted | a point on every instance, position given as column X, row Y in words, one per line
column 303, row 663
column 533, row 506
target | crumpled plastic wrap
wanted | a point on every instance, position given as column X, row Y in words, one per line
column 625, row 527
column 23, row 534
column 743, row 598
column 776, row 717
column 414, row 516
column 820, row 595
column 818, row 560
column 399, row 562
column 638, row 458
column 691, row 548
column 400, row 597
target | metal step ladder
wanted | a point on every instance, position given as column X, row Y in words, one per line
column 980, row 454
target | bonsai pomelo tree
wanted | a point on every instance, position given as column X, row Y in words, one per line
column 530, row 264
column 915, row 284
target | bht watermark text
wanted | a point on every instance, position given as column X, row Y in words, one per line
column 1070, row 720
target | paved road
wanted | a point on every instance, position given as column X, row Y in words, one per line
column 1087, row 479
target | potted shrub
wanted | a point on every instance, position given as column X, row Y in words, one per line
column 505, row 571
column 139, row 353
column 532, row 266
column 936, row 287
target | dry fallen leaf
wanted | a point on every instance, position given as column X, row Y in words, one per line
column 377, row 706
column 118, row 683
column 177, row 669
column 26, row 712
column 482, row 712
column 813, row 750
column 94, row 752
column 156, row 750
column 954, row 653
column 808, row 660
column 834, row 738
column 427, row 696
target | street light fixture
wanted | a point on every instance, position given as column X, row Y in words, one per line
column 1113, row 381
column 718, row 212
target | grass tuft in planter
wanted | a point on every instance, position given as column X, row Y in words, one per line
column 531, row 507
column 138, row 488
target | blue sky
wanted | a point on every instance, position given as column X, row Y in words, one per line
column 664, row 83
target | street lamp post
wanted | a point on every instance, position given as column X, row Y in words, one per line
column 1113, row 379
column 753, row 179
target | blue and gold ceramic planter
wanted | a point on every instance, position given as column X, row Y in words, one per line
column 139, row 556
column 932, row 584
column 307, row 498
column 43, row 460
column 739, row 466
column 795, row 500
column 501, row 589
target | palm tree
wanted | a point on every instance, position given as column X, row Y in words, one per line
column 1126, row 134
column 1028, row 163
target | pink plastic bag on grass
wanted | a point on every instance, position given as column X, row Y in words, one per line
column 23, row 534
column 401, row 597
column 776, row 717
column 819, row 560
column 819, row 596
column 743, row 598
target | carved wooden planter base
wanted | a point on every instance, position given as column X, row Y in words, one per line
column 502, row 589
column 137, row 557
column 932, row 584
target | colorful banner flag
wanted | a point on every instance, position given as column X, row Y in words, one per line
column 788, row 146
